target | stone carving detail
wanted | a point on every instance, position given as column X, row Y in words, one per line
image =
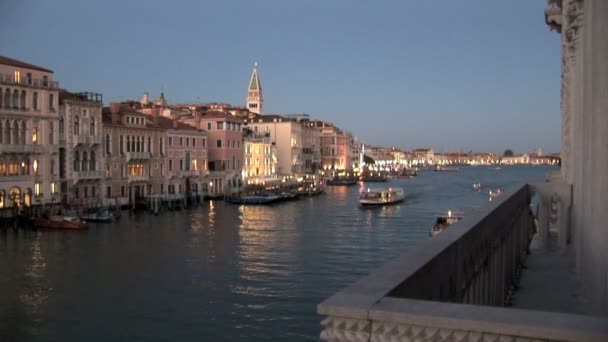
column 391, row 332
column 345, row 329
column 569, row 23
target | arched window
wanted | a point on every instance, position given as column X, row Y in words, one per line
column 15, row 99
column 76, row 125
column 149, row 144
column 160, row 150
column 92, row 127
column 35, row 101
column 108, row 152
column 7, row 132
column 92, row 161
column 1, row 130
column 128, row 143
column 22, row 99
column 61, row 125
column 51, row 133
column 15, row 132
column 84, row 161
column 76, row 161
column 187, row 161
column 7, row 98
column 121, row 145
column 138, row 144
column 22, row 136
column 132, row 144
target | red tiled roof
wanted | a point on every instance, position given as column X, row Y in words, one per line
column 16, row 63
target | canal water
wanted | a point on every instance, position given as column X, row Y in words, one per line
column 220, row 271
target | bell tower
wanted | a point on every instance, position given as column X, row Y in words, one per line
column 255, row 100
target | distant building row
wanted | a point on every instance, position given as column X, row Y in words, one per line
column 61, row 146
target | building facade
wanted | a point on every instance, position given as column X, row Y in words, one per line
column 29, row 158
column 260, row 157
column 286, row 134
column 81, row 157
column 224, row 150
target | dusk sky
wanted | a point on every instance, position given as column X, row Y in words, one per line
column 477, row 75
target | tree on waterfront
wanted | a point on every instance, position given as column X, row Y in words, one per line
column 508, row 153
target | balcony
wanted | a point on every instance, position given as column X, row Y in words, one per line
column 78, row 176
column 137, row 156
column 84, row 139
column 138, row 178
column 10, row 79
column 457, row 285
column 20, row 149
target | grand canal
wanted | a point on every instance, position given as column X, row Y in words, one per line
column 219, row 271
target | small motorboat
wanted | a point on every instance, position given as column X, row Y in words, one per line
column 381, row 196
column 477, row 186
column 444, row 221
column 494, row 193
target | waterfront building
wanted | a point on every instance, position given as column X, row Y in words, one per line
column 149, row 154
column 423, row 156
column 29, row 123
column 186, row 159
column 255, row 98
column 286, row 133
column 260, row 157
column 135, row 149
column 311, row 147
column 81, row 157
column 336, row 147
column 224, row 150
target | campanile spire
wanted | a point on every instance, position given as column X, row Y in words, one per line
column 255, row 100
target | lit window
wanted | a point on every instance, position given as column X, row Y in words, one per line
column 35, row 135
column 37, row 189
column 17, row 76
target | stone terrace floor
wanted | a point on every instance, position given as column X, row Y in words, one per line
column 549, row 281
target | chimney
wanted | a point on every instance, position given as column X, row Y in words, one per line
column 115, row 110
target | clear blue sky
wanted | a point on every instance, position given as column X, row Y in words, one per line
column 478, row 75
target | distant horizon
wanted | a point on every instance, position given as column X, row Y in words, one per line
column 399, row 73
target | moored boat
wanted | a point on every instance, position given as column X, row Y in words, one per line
column 310, row 189
column 445, row 168
column 408, row 173
column 253, row 199
column 444, row 221
column 341, row 181
column 374, row 176
column 381, row 196
column 100, row 215
column 60, row 222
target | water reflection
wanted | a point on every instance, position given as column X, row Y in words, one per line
column 34, row 295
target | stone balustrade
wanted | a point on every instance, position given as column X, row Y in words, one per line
column 453, row 287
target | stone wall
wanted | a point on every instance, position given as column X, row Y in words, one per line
column 584, row 27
